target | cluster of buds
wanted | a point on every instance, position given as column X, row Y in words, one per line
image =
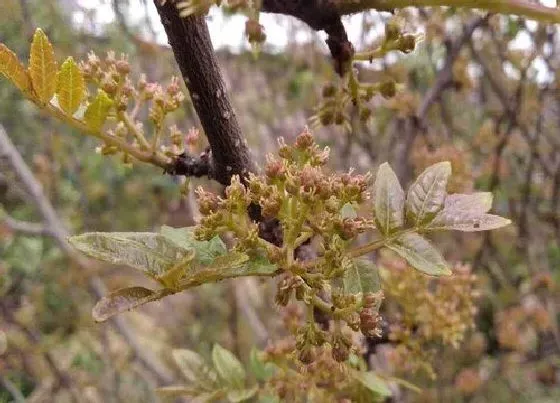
column 370, row 320
column 308, row 338
column 428, row 311
column 351, row 92
column 254, row 32
column 307, row 203
column 125, row 99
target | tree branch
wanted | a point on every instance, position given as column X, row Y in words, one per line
column 517, row 7
column 190, row 40
column 27, row 228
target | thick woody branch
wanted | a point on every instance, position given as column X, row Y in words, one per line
column 321, row 15
column 190, row 40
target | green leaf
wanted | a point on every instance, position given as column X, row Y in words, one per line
column 70, row 87
column 475, row 203
column 11, row 67
column 426, row 195
column 420, row 254
column 373, row 382
column 269, row 399
column 206, row 251
column 228, row 366
column 149, row 252
column 194, row 369
column 42, row 66
column 97, row 111
column 466, row 222
column 261, row 370
column 236, row 396
column 361, row 277
column 124, row 300
column 389, row 200
column 348, row 211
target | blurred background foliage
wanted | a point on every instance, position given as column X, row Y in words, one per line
column 495, row 119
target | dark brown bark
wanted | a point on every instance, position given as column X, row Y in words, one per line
column 321, row 15
column 190, row 41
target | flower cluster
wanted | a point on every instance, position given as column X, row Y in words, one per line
column 125, row 99
column 349, row 91
column 426, row 312
column 306, row 203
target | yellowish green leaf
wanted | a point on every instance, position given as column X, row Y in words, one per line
column 145, row 251
column 373, row 382
column 389, row 200
column 228, row 366
column 42, row 67
column 70, row 86
column 361, row 277
column 194, row 369
column 426, row 195
column 97, row 111
column 466, row 222
column 420, row 254
column 13, row 70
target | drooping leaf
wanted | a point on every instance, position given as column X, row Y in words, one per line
column 13, row 70
column 427, row 194
column 362, row 276
column 97, row 111
column 466, row 222
column 474, row 203
column 420, row 254
column 124, row 300
column 194, row 369
column 206, row 251
column 241, row 395
column 42, row 67
column 389, row 200
column 70, row 86
column 149, row 252
column 228, row 366
column 232, row 265
column 373, row 382
column 261, row 370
